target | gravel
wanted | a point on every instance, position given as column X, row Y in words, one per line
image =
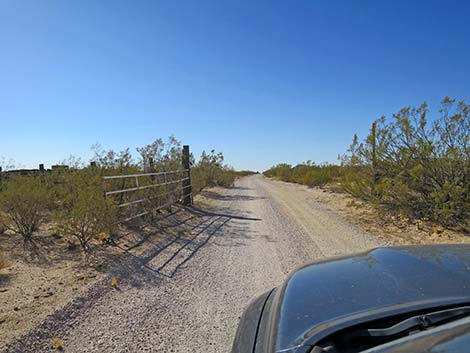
column 195, row 289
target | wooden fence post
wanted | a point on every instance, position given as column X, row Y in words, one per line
column 374, row 157
column 187, row 199
column 41, row 167
column 151, row 167
column 373, row 133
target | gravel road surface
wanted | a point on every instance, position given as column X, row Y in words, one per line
column 197, row 289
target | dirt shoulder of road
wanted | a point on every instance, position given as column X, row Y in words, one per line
column 35, row 282
column 399, row 230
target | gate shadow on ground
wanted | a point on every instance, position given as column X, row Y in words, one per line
column 162, row 247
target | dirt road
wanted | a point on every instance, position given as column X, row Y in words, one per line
column 197, row 286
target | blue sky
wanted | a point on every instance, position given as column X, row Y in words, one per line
column 262, row 81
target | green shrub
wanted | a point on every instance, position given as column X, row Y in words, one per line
column 25, row 202
column 416, row 168
column 84, row 212
column 210, row 170
column 405, row 165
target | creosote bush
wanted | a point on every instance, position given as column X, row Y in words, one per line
column 415, row 167
column 25, row 202
column 84, row 213
column 210, row 171
column 410, row 165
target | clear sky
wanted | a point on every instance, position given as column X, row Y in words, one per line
column 262, row 81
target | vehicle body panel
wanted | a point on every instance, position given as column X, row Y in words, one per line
column 245, row 338
column 380, row 282
column 321, row 298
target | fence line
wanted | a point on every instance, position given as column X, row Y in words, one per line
column 150, row 192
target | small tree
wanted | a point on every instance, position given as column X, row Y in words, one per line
column 24, row 201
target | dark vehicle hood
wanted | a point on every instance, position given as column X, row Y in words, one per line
column 321, row 298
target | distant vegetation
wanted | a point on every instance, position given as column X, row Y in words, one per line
column 306, row 173
column 409, row 165
column 211, row 170
column 72, row 199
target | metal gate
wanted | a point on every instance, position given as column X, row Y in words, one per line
column 137, row 195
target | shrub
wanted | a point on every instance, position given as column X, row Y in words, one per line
column 210, row 170
column 84, row 212
column 406, row 165
column 414, row 167
column 25, row 202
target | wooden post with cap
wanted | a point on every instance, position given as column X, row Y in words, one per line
column 374, row 157
column 187, row 200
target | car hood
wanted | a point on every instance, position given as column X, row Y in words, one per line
column 322, row 298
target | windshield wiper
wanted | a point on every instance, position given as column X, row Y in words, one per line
column 418, row 321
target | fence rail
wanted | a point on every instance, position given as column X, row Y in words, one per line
column 137, row 195
column 107, row 193
column 143, row 174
